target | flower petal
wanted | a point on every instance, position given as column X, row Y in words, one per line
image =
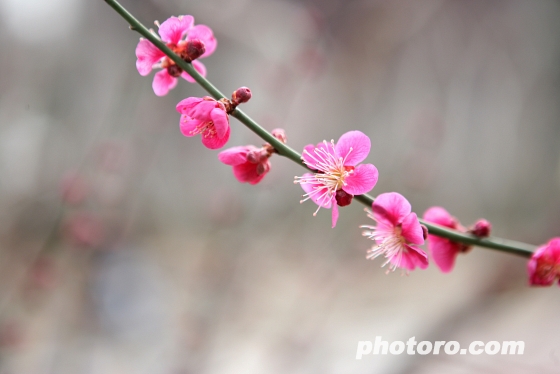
column 362, row 180
column 246, row 172
column 188, row 126
column 186, row 105
column 414, row 257
column 412, row 230
column 334, row 213
column 202, row 110
column 316, row 192
column 235, row 155
column 354, row 146
column 163, row 82
column 440, row 216
column 174, row 28
column 147, row 54
column 214, row 142
column 198, row 66
column 221, row 121
column 206, row 35
column 443, row 252
column 391, row 208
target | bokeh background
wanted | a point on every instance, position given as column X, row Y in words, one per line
column 161, row 262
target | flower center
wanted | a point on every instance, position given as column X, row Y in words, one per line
column 330, row 176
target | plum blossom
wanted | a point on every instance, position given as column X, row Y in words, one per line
column 339, row 175
column 397, row 233
column 544, row 265
column 182, row 37
column 444, row 251
column 207, row 117
column 250, row 164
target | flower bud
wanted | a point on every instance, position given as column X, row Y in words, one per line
column 241, row 95
column 280, row 134
column 343, row 198
column 481, row 228
column 194, row 49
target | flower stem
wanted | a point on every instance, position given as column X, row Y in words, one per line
column 517, row 248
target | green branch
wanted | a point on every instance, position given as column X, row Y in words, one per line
column 517, row 248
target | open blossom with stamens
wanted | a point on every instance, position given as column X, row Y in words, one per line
column 207, row 117
column 250, row 164
column 338, row 176
column 544, row 265
column 397, row 233
column 180, row 35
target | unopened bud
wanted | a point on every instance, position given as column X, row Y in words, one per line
column 343, row 198
column 481, row 228
column 280, row 134
column 424, row 232
column 241, row 95
column 174, row 71
column 194, row 49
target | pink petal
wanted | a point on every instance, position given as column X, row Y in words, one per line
column 316, row 197
column 205, row 34
column 188, row 126
column 185, row 106
column 334, row 213
column 354, row 146
column 309, row 158
column 246, row 172
column 411, row 229
column 214, row 142
column 443, row 252
column 173, row 29
column 362, row 180
column 391, row 207
column 221, row 121
column 202, row 110
column 235, row 155
column 198, row 66
column 163, row 82
column 147, row 54
column 410, row 258
column 440, row 216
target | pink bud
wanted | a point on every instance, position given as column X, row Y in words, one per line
column 481, row 228
column 195, row 48
column 280, row 134
column 343, row 198
column 241, row 95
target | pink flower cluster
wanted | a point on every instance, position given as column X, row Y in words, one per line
column 183, row 38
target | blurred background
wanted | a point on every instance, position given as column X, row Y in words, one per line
column 128, row 248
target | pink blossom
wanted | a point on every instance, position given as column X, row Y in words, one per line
column 250, row 164
column 544, row 265
column 175, row 32
column 442, row 250
column 397, row 233
column 338, row 169
column 207, row 117
column 73, row 188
